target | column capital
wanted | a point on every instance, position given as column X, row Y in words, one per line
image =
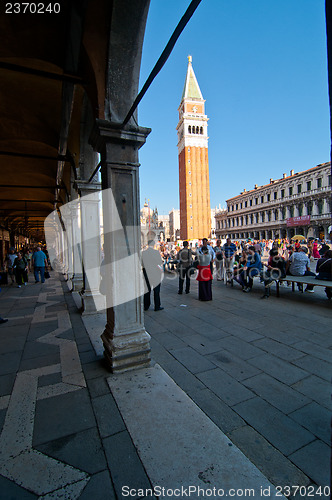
column 86, row 186
column 105, row 132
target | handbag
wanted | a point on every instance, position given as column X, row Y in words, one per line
column 47, row 275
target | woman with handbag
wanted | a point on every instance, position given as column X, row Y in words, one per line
column 204, row 276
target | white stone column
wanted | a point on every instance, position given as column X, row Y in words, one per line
column 93, row 301
column 125, row 340
column 77, row 280
column 67, row 242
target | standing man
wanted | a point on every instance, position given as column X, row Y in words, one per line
column 10, row 259
column 152, row 271
column 219, row 261
column 39, row 263
column 184, row 264
column 229, row 250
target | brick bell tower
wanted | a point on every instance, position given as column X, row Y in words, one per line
column 195, row 210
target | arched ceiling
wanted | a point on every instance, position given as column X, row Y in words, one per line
column 47, row 63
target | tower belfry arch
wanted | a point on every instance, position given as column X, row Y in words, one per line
column 195, row 212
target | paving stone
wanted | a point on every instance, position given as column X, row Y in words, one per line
column 186, row 380
column 316, row 419
column 315, row 350
column 274, row 332
column 315, row 366
column 11, row 491
column 233, row 365
column 53, row 378
column 278, row 349
column 107, row 415
column 168, row 340
column 279, row 369
column 12, row 344
column 277, row 468
column 225, row 387
column 192, row 360
column 285, row 434
column 88, row 357
column 32, row 363
column 38, row 349
column 99, row 487
column 204, row 345
column 7, row 383
column 97, row 368
column 220, row 413
column 9, row 362
column 63, row 415
column 314, row 460
column 83, row 450
column 316, row 389
column 243, row 350
column 98, row 387
column 276, row 393
column 124, row 463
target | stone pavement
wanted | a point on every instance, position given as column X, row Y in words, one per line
column 260, row 370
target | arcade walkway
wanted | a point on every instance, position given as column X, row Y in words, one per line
column 260, row 370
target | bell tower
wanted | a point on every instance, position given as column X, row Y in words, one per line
column 195, row 210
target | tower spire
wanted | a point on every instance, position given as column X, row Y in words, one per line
column 191, row 88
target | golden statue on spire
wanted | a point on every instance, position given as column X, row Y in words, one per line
column 190, row 59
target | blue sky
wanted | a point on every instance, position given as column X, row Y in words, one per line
column 262, row 69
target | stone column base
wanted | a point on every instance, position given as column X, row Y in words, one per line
column 126, row 352
column 93, row 302
column 77, row 282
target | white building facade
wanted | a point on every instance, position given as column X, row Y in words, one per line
column 296, row 204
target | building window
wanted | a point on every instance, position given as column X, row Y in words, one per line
column 275, row 195
column 319, row 182
column 190, row 206
column 282, row 193
column 189, row 194
column 189, row 183
column 299, row 188
column 191, row 216
column 240, row 205
column 189, row 172
column 290, row 191
column 197, row 130
column 189, row 129
column 300, row 209
column 283, row 213
column 236, row 206
column 250, row 203
column 268, row 197
column 191, row 228
column 246, row 204
column 256, row 201
column 262, row 199
column 291, row 211
column 188, row 150
column 329, row 180
column 309, row 208
column 309, row 186
column 320, row 207
column 262, row 217
column 201, row 130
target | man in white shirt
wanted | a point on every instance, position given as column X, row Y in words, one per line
column 299, row 265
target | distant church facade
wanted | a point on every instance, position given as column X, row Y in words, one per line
column 195, row 211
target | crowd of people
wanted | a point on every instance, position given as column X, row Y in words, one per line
column 242, row 261
column 19, row 263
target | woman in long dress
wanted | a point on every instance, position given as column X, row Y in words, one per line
column 204, row 276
